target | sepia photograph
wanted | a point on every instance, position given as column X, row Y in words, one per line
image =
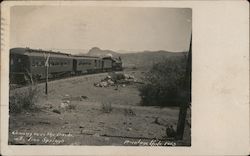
column 118, row 76
column 124, row 78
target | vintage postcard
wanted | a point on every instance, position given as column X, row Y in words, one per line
column 106, row 77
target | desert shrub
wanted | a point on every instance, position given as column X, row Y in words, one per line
column 106, row 107
column 71, row 107
column 129, row 112
column 24, row 100
column 164, row 83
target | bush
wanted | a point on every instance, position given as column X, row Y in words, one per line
column 71, row 107
column 25, row 100
column 106, row 107
column 164, row 83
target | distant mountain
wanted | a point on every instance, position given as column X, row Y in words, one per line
column 95, row 51
column 137, row 59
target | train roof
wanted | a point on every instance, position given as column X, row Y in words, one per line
column 40, row 53
column 37, row 52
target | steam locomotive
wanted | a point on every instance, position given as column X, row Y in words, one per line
column 27, row 64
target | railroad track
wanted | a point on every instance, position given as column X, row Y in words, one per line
column 16, row 86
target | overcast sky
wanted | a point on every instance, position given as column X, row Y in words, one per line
column 72, row 27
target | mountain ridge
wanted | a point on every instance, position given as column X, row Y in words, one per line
column 137, row 59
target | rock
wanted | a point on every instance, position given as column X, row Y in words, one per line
column 96, row 135
column 110, row 82
column 64, row 105
column 129, row 129
column 44, row 122
column 96, row 85
column 129, row 76
column 115, row 79
column 56, row 111
column 84, row 97
column 81, row 126
column 104, row 84
column 160, row 121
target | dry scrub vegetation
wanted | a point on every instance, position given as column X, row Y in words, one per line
column 24, row 100
column 164, row 83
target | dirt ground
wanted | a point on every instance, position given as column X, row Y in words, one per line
column 75, row 112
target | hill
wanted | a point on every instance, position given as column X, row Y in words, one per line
column 137, row 59
column 95, row 51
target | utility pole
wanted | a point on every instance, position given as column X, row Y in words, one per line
column 46, row 72
column 187, row 96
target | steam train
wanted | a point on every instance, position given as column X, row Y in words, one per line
column 27, row 64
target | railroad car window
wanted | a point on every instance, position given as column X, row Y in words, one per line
column 39, row 63
column 19, row 60
column 95, row 63
column 11, row 61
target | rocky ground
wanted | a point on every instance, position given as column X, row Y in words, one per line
column 77, row 112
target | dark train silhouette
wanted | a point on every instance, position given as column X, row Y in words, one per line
column 27, row 64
